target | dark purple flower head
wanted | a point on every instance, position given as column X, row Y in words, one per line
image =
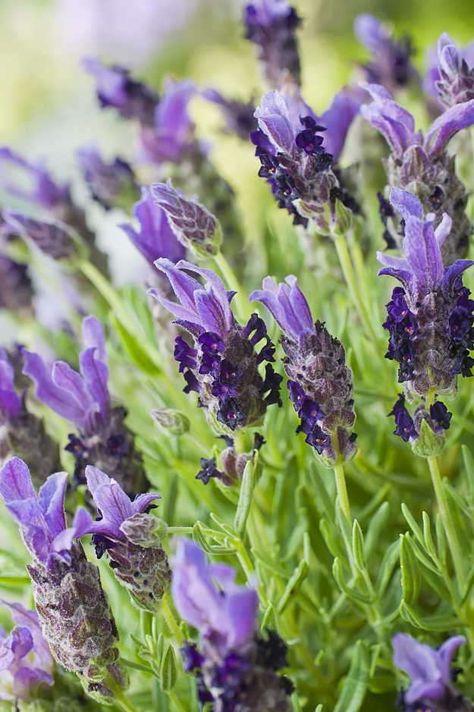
column 222, row 366
column 391, row 58
column 53, row 238
column 10, row 402
column 194, row 226
column 110, row 184
column 430, row 318
column 171, row 136
column 450, row 74
column 117, row 89
column 40, row 516
column 16, row 288
column 429, row 669
column 208, row 598
column 437, row 418
column 239, row 115
column 154, row 237
column 295, row 151
column 25, row 660
column 34, row 183
column 272, row 25
column 81, row 398
column 320, row 383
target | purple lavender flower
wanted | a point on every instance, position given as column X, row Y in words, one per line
column 430, row 317
column 194, row 226
column 297, row 151
column 21, row 432
column 430, row 673
column 16, row 288
column 450, row 75
column 272, row 25
column 130, row 537
column 421, row 164
column 239, row 115
column 52, row 238
column 83, row 398
column 41, row 188
column 320, row 383
column 155, row 238
column 234, row 667
column 25, row 659
column 222, row 365
column 110, row 184
column 391, row 58
column 172, row 135
column 118, row 90
column 74, row 614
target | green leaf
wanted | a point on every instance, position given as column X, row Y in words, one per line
column 168, row 669
column 293, row 585
column 247, row 486
column 134, row 349
column 387, row 567
column 409, row 569
column 358, row 545
column 352, row 593
column 355, row 685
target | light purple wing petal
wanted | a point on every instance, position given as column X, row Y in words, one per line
column 453, row 120
column 446, row 654
column 51, row 501
column 93, row 336
column 48, row 392
column 417, row 660
column 95, row 374
column 109, row 497
column 67, row 379
column 15, row 481
column 241, row 607
column 338, row 119
column 370, row 32
column 143, row 501
column 183, row 285
column 406, row 203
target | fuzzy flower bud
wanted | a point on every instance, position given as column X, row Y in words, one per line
column 320, row 383
column 222, row 365
column 194, row 226
column 73, row 612
column 113, row 184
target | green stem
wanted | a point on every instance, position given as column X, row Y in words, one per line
column 170, row 620
column 341, row 488
column 449, row 525
column 351, row 281
column 233, row 283
column 120, row 699
column 176, row 703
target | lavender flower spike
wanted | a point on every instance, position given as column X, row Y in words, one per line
column 194, row 226
column 231, row 663
column 420, row 163
column 130, row 537
column 52, row 238
column 450, row 77
column 430, row 673
column 83, row 398
column 25, row 659
column 154, row 237
column 113, row 184
column 21, row 432
column 272, row 25
column 74, row 615
column 320, row 383
column 222, row 365
column 391, row 59
column 430, row 317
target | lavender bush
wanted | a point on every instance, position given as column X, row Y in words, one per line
column 247, row 482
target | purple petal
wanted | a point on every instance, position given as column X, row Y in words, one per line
column 406, row 203
column 51, row 501
column 143, row 501
column 417, row 660
column 93, row 337
column 95, row 374
column 446, row 654
column 15, row 481
column 10, row 403
column 241, row 612
column 370, row 32
column 458, row 117
column 114, row 505
column 183, row 285
column 455, row 270
column 338, row 119
column 70, row 381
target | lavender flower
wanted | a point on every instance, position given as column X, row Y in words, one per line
column 118, row 90
column 16, row 288
column 450, row 75
column 41, row 188
column 235, row 668
column 25, row 659
column 155, row 238
column 83, row 398
column 391, row 58
column 430, row 317
column 52, row 238
column 110, row 184
column 129, row 536
column 239, row 115
column 21, row 432
column 430, row 674
column 73, row 612
column 222, row 365
column 320, row 383
column 272, row 25
column 420, row 163
column 297, row 151
column 194, row 226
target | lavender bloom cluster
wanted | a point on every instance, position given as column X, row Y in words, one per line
column 235, row 667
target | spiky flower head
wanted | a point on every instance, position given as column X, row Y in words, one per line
column 83, row 398
column 222, row 365
column 26, row 663
column 420, row 164
column 74, row 614
column 320, row 383
column 271, row 25
column 235, row 667
column 129, row 536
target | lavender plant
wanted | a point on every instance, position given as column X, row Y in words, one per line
column 311, row 440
